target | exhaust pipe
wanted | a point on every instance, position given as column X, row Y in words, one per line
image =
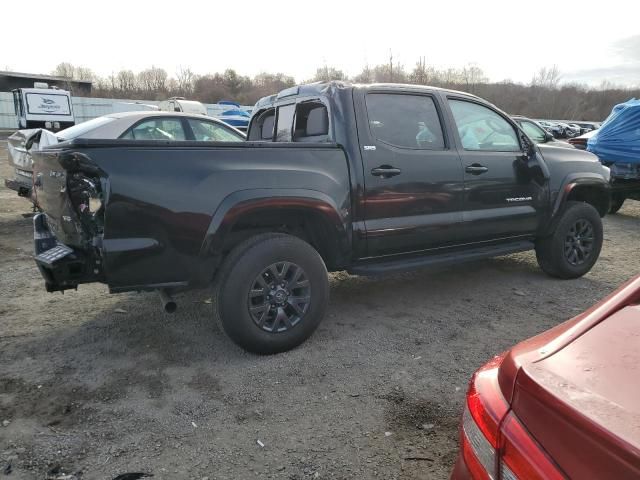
column 168, row 303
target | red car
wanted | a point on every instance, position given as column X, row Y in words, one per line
column 563, row 404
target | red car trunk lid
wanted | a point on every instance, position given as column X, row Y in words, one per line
column 582, row 403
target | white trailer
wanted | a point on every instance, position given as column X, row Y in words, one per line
column 43, row 107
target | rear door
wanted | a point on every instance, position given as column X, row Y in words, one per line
column 413, row 179
column 500, row 196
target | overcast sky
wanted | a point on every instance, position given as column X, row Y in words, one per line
column 590, row 41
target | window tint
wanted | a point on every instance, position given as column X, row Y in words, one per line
column 285, row 123
column 409, row 121
column 204, row 131
column 481, row 128
column 533, row 131
column 157, row 129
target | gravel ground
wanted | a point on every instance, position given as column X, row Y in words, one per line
column 95, row 385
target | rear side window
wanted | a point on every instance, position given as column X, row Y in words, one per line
column 262, row 126
column 311, row 122
column 406, row 121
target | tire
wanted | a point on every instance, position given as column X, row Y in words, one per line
column 263, row 265
column 616, row 203
column 574, row 246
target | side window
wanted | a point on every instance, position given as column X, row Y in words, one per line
column 311, row 122
column 480, row 128
column 533, row 131
column 407, row 121
column 284, row 124
column 204, row 131
column 157, row 129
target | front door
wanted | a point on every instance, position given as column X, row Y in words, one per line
column 413, row 179
column 500, row 195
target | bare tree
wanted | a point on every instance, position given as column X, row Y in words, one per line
column 126, row 81
column 547, row 77
column 64, row 69
column 365, row 76
column 326, row 74
column 421, row 74
column 545, row 97
column 185, row 79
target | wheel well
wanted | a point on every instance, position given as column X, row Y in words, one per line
column 594, row 195
column 308, row 225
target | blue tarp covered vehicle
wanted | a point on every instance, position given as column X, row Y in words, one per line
column 617, row 145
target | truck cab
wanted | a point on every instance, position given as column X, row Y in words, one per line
column 43, row 107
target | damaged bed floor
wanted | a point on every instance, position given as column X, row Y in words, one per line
column 95, row 385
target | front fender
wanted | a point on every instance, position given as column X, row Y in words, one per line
column 574, row 180
column 242, row 202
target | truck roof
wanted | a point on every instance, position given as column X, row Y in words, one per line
column 322, row 88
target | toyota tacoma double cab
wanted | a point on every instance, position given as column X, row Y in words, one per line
column 333, row 176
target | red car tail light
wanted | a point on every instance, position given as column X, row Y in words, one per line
column 481, row 421
column 521, row 456
column 494, row 444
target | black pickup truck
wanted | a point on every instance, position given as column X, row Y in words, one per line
column 368, row 179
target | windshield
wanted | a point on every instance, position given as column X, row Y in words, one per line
column 82, row 128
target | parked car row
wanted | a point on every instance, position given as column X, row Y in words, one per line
column 566, row 130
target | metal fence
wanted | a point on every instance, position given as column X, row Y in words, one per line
column 87, row 108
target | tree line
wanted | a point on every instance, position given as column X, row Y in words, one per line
column 545, row 96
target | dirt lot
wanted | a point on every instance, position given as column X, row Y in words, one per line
column 97, row 385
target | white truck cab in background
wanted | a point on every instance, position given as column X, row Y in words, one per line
column 43, row 107
column 179, row 104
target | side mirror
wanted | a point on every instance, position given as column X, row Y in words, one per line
column 547, row 137
column 527, row 144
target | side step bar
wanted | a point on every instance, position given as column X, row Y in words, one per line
column 440, row 259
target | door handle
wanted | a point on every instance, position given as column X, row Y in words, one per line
column 385, row 171
column 476, row 169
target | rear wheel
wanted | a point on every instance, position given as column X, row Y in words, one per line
column 616, row 203
column 574, row 246
column 271, row 293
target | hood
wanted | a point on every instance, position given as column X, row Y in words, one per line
column 558, row 143
column 564, row 161
column 555, row 153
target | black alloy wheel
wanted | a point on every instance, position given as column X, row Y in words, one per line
column 279, row 297
column 578, row 243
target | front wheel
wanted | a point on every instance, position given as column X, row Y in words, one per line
column 271, row 293
column 574, row 246
column 616, row 203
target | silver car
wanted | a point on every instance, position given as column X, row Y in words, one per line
column 154, row 126
column 133, row 126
